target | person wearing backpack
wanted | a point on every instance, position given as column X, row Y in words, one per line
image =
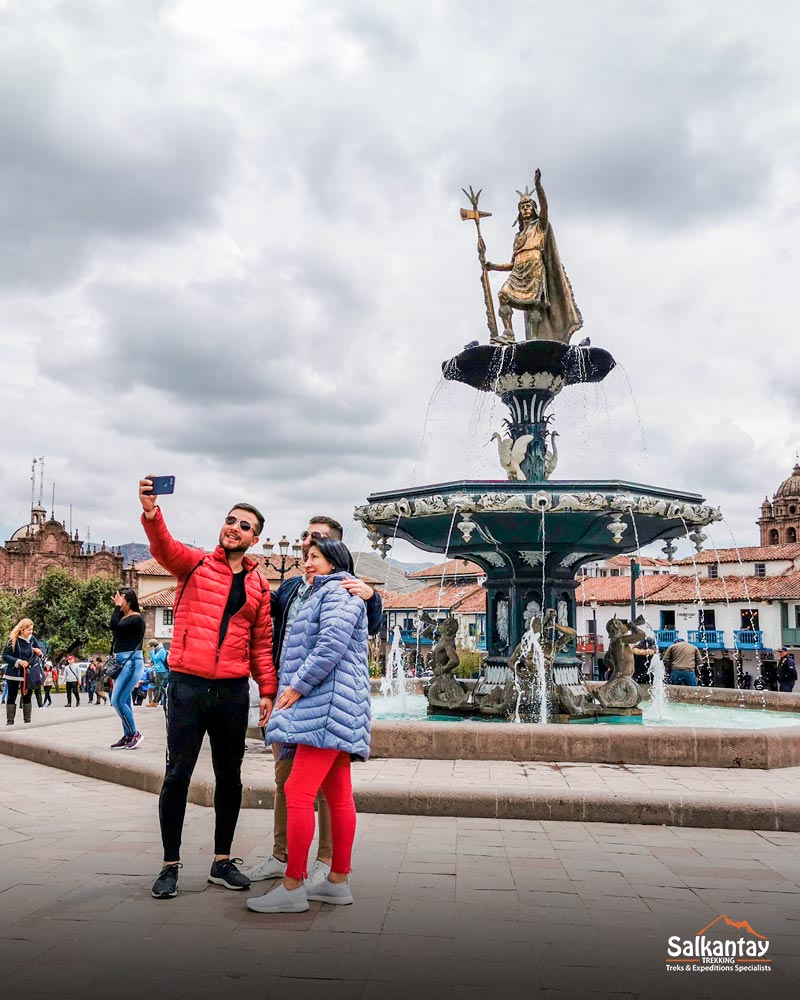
column 222, row 635
column 21, row 654
column 787, row 671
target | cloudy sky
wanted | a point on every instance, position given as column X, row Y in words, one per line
column 230, row 247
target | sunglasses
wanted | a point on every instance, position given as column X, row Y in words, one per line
column 316, row 535
column 244, row 525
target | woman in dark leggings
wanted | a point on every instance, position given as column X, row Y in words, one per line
column 127, row 624
column 22, row 647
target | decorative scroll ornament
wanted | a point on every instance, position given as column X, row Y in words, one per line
column 494, row 559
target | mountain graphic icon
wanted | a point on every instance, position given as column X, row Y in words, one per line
column 739, row 925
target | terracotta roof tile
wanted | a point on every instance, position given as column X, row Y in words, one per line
column 617, row 589
column 685, row 590
column 752, row 553
column 433, row 598
column 160, row 599
column 450, row 568
column 149, row 567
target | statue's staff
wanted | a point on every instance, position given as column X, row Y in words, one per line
column 477, row 215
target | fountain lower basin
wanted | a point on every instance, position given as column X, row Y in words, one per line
column 692, row 735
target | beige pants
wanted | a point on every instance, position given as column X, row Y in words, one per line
column 283, row 768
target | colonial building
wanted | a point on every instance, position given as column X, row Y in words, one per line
column 45, row 544
column 779, row 523
column 454, row 587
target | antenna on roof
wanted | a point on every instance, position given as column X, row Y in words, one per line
column 41, row 479
column 33, row 482
column 53, row 513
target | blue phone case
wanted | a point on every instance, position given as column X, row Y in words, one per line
column 162, row 485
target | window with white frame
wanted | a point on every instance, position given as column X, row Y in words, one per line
column 167, row 616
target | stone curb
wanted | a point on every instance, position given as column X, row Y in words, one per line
column 494, row 802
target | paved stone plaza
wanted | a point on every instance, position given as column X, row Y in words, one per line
column 445, row 906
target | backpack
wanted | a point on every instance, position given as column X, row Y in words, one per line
column 35, row 673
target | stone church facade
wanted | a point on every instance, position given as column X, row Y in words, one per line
column 45, row 544
column 779, row 523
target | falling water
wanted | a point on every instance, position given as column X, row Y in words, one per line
column 531, row 645
column 394, row 683
column 658, row 690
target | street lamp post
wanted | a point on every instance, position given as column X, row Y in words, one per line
column 593, row 606
column 285, row 561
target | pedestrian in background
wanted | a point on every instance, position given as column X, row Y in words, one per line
column 72, row 682
column 787, row 671
column 100, row 681
column 89, row 681
column 48, row 684
column 22, row 650
column 683, row 660
column 127, row 624
column 159, row 660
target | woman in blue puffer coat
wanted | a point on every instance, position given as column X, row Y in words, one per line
column 322, row 716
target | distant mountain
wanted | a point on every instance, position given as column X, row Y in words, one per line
column 389, row 571
column 131, row 551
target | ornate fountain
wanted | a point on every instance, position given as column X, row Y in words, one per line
column 530, row 533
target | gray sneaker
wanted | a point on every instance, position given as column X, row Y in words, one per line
column 270, row 867
column 337, row 893
column 318, row 872
column 280, row 900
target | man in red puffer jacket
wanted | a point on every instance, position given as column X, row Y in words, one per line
column 222, row 635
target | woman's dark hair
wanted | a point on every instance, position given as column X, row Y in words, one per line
column 337, row 554
column 131, row 598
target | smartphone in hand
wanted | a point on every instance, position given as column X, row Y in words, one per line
column 162, row 485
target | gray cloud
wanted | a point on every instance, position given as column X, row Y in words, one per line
column 231, row 245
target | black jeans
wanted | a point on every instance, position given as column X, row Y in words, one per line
column 47, row 699
column 196, row 706
column 72, row 688
column 13, row 688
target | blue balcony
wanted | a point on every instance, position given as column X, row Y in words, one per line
column 480, row 643
column 665, row 636
column 409, row 638
column 748, row 638
column 707, row 638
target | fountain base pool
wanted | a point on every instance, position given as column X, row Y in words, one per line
column 691, row 734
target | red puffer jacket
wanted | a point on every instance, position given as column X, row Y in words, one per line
column 247, row 647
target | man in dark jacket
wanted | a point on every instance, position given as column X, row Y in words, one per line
column 286, row 602
column 787, row 671
column 222, row 636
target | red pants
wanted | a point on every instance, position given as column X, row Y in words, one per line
column 314, row 769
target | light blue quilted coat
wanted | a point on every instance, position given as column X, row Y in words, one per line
column 325, row 659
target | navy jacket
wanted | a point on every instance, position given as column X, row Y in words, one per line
column 281, row 598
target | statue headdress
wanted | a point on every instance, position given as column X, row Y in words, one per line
column 524, row 196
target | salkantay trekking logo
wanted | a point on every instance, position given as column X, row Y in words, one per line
column 727, row 950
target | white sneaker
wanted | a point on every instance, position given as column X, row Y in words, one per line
column 280, row 900
column 337, row 893
column 270, row 867
column 318, row 872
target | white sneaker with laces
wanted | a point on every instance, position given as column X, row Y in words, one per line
column 280, row 900
column 270, row 867
column 318, row 872
column 337, row 893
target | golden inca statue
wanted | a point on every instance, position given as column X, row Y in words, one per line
column 538, row 285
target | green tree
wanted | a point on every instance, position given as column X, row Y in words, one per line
column 11, row 610
column 66, row 610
